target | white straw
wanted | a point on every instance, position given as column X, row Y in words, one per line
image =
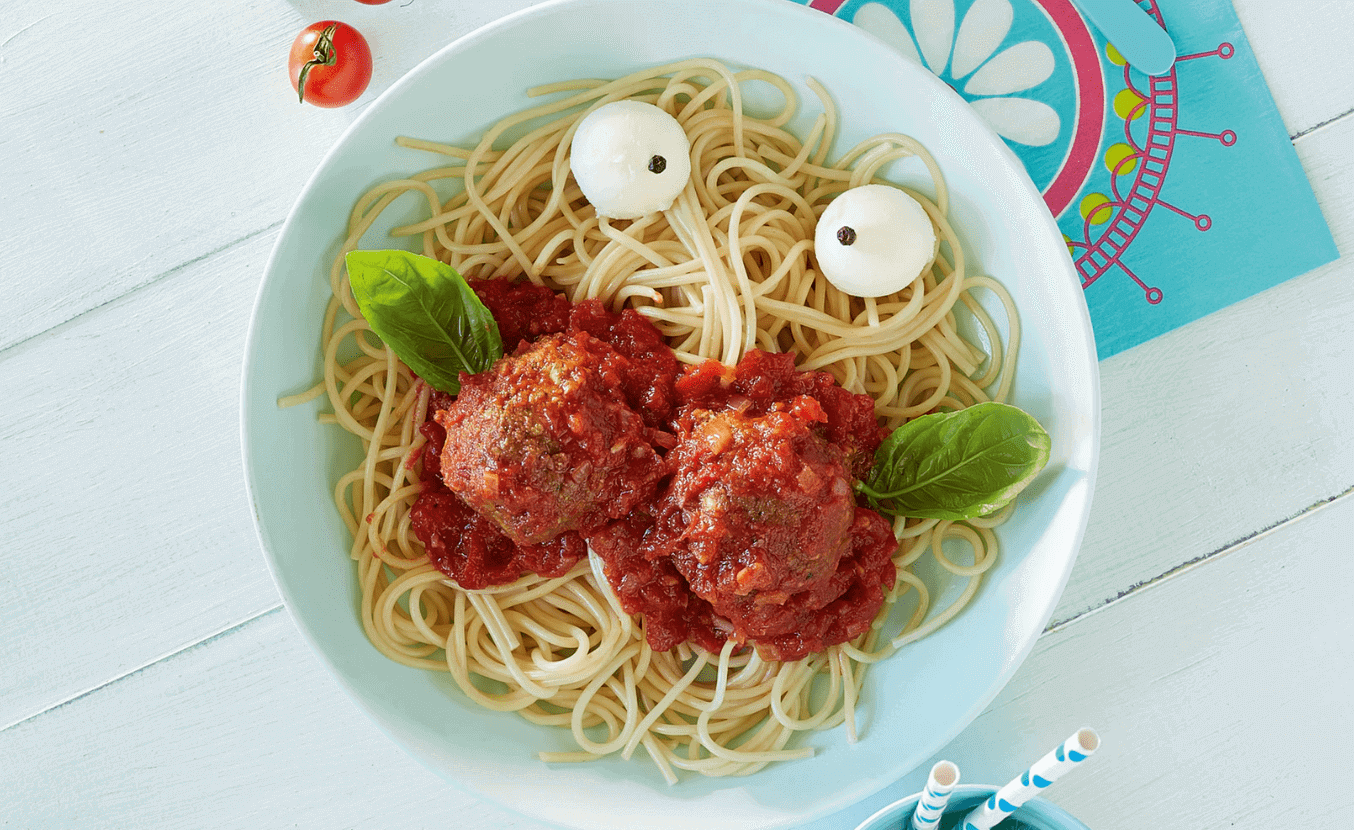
column 939, row 784
column 1042, row 773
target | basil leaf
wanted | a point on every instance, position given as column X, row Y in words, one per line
column 426, row 313
column 957, row 465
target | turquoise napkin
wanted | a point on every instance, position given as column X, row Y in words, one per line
column 1178, row 194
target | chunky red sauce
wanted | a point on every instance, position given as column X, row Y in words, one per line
column 523, row 311
column 719, row 499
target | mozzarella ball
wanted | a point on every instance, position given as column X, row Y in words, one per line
column 630, row 159
column 874, row 240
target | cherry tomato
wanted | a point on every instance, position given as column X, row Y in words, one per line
column 330, row 64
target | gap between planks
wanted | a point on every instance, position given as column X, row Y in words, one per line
column 1054, row 626
column 1189, row 565
column 1316, row 128
column 169, row 272
column 210, row 638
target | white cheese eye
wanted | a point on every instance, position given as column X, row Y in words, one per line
column 874, row 240
column 630, row 159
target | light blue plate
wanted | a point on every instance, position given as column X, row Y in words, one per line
column 914, row 703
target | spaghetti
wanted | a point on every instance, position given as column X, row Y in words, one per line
column 727, row 269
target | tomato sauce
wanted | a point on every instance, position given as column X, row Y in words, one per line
column 463, row 544
column 650, row 381
column 651, row 586
column 735, row 519
column 523, row 311
column 760, row 518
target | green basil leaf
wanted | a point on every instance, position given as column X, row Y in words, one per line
column 426, row 313
column 957, row 465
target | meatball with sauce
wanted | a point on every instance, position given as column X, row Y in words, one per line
column 760, row 519
column 544, row 442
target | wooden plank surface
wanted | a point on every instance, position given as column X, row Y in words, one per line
column 1220, row 694
column 184, row 138
column 126, row 528
column 1287, row 37
column 249, row 730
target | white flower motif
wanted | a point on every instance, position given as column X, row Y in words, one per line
column 992, row 77
column 933, row 21
column 985, row 27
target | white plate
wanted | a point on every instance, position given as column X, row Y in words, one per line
column 914, row 703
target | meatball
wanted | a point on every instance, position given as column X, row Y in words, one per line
column 544, row 442
column 863, row 575
column 762, row 381
column 466, row 546
column 758, row 516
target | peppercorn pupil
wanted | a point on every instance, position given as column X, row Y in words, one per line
column 846, row 234
column 658, row 164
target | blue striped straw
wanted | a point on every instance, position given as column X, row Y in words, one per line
column 1069, row 754
column 939, row 784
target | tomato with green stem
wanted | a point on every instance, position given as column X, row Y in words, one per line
column 330, row 64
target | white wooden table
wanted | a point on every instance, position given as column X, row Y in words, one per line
column 149, row 676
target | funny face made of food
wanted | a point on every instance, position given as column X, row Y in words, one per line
column 659, row 421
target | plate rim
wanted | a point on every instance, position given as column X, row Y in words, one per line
column 864, row 786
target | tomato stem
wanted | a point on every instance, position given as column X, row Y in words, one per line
column 324, row 55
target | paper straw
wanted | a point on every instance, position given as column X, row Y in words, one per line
column 1045, row 771
column 939, row 784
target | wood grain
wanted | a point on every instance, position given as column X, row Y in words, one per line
column 151, row 135
column 246, row 730
column 126, row 528
column 1221, row 695
column 127, row 545
column 1302, row 47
